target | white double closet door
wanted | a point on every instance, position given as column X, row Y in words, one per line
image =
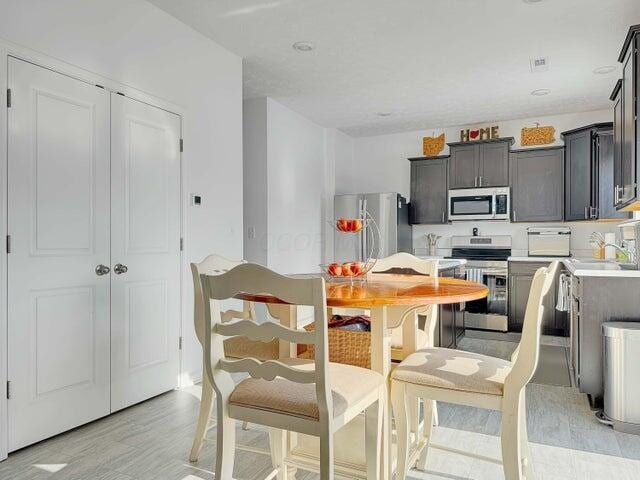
column 93, row 185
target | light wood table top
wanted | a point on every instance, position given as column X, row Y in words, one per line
column 386, row 289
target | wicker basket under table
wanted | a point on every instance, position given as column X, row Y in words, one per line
column 345, row 346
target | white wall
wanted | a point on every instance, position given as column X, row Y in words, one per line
column 255, row 187
column 380, row 162
column 298, row 168
column 139, row 45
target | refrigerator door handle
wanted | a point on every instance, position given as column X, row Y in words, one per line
column 364, row 236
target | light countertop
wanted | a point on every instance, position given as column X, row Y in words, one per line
column 536, row 259
column 445, row 263
column 585, row 267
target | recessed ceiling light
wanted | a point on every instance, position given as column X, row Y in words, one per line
column 604, row 70
column 541, row 92
column 303, row 46
column 383, row 114
column 532, row 1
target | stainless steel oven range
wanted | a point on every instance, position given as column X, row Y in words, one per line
column 486, row 263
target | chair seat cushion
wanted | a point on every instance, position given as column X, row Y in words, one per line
column 454, row 370
column 422, row 339
column 349, row 385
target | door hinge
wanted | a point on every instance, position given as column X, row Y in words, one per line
column 8, row 243
column 181, row 145
column 8, row 389
column 8, row 98
column 181, row 244
column 179, row 343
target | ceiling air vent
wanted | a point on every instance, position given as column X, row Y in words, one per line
column 539, row 64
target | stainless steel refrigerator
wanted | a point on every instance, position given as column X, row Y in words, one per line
column 390, row 214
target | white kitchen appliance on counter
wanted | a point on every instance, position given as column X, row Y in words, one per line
column 549, row 241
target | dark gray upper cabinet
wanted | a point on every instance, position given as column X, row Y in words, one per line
column 616, row 98
column 464, row 164
column 579, row 170
column 494, row 164
column 480, row 163
column 589, row 173
column 537, row 189
column 428, row 190
column 605, row 150
column 627, row 124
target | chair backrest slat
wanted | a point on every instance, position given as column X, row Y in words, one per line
column 264, row 332
column 406, row 261
column 525, row 360
column 213, row 265
column 267, row 370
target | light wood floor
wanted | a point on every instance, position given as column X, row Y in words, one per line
column 152, row 441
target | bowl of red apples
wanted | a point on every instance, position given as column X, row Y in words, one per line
column 349, row 225
column 347, row 269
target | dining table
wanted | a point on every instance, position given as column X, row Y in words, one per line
column 393, row 301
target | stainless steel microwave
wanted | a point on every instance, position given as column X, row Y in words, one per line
column 479, row 204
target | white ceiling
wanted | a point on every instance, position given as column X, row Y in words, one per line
column 431, row 63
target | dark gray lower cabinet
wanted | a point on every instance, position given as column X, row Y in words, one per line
column 520, row 279
column 537, row 187
column 428, row 190
column 450, row 319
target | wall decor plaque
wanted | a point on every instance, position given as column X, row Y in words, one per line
column 537, row 135
column 486, row 133
column 432, row 146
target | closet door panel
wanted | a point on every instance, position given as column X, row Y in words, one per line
column 146, row 241
column 58, row 219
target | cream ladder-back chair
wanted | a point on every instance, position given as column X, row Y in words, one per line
column 238, row 347
column 407, row 263
column 312, row 397
column 476, row 380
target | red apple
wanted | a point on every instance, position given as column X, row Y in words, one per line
column 335, row 269
column 356, row 225
column 342, row 224
column 346, row 270
column 356, row 268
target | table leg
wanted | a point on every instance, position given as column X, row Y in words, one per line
column 409, row 346
column 381, row 362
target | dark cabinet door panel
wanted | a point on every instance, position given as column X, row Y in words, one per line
column 537, row 185
column 429, row 191
column 629, row 138
column 464, row 166
column 494, row 165
column 618, row 115
column 578, row 175
column 606, row 183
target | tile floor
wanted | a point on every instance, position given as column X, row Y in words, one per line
column 152, row 441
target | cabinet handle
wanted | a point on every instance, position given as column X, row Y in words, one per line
column 593, row 212
column 475, row 181
column 586, row 214
column 443, row 217
column 515, row 215
column 480, row 181
column 616, row 195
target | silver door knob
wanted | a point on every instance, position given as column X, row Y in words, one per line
column 102, row 270
column 120, row 269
